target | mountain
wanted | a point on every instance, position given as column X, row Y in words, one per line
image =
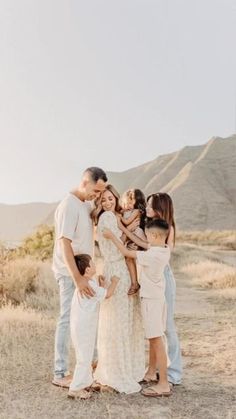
column 200, row 179
column 17, row 221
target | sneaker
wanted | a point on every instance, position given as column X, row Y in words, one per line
column 63, row 381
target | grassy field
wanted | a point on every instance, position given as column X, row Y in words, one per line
column 205, row 316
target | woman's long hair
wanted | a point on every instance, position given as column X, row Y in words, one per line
column 98, row 210
column 140, row 204
column 162, row 206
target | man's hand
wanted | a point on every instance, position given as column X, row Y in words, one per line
column 107, row 234
column 84, row 288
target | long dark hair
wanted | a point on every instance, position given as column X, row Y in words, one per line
column 98, row 210
column 162, row 206
column 139, row 203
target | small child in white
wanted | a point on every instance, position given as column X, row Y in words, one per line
column 153, row 305
column 83, row 323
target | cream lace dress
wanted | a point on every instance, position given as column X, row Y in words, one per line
column 121, row 354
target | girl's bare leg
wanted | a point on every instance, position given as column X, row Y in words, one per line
column 133, row 275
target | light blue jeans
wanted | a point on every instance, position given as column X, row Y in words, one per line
column 62, row 337
column 175, row 369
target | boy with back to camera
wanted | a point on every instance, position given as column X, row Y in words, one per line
column 153, row 305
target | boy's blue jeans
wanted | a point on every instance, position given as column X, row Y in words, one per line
column 175, row 369
column 62, row 337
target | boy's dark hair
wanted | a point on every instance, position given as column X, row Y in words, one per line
column 82, row 262
column 96, row 173
column 157, row 223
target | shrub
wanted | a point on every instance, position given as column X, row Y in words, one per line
column 29, row 282
column 38, row 244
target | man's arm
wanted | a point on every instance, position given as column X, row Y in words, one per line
column 69, row 260
column 125, row 252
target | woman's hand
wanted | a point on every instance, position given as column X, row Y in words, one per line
column 107, row 234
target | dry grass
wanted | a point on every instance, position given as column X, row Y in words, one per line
column 225, row 239
column 210, row 274
column 205, row 320
column 29, row 282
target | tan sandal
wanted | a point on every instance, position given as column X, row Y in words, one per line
column 151, row 392
column 133, row 289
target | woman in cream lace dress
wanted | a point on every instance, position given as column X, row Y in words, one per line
column 121, row 355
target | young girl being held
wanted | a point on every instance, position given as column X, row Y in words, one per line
column 133, row 204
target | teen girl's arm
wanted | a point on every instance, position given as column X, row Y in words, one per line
column 125, row 252
column 128, row 221
column 170, row 240
column 141, row 243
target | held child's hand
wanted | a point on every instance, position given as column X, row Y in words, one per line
column 107, row 233
column 115, row 279
column 101, row 281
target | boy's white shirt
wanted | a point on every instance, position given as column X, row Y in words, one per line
column 152, row 264
column 91, row 304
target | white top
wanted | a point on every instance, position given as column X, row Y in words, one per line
column 152, row 264
column 91, row 304
column 72, row 221
column 127, row 213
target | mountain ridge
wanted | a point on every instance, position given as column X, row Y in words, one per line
column 201, row 180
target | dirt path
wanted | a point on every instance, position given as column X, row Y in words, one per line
column 207, row 391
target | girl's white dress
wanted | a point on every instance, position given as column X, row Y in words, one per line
column 83, row 324
column 121, row 353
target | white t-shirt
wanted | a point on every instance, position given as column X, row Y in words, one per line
column 91, row 304
column 72, row 221
column 152, row 264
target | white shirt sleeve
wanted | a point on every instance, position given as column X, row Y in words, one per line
column 67, row 220
column 143, row 258
column 100, row 291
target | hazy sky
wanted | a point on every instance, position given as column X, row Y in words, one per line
column 108, row 83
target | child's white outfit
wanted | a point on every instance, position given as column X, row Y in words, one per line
column 83, row 325
column 152, row 289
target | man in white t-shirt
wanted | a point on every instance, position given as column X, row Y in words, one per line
column 73, row 235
